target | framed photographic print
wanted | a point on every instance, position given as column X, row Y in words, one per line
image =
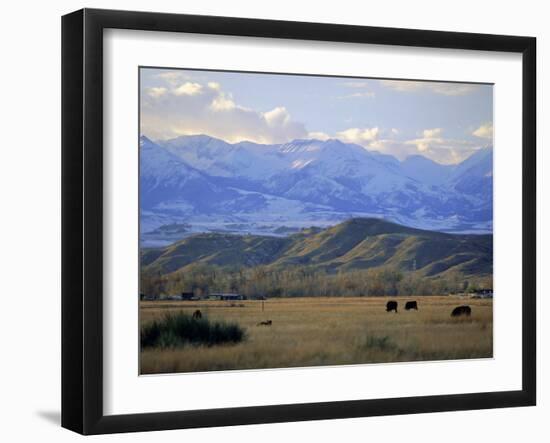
column 269, row 221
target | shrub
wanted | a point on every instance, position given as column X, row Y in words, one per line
column 380, row 342
column 180, row 329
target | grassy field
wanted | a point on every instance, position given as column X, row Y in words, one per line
column 326, row 331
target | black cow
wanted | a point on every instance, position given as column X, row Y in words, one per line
column 265, row 323
column 197, row 315
column 411, row 305
column 391, row 306
column 461, row 310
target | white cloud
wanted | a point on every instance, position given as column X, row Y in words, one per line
column 397, row 148
column 195, row 108
column 156, row 92
column 402, row 85
column 443, row 150
column 484, row 131
column 277, row 116
column 432, row 133
column 318, row 135
column 432, row 144
column 222, row 103
column 173, row 105
column 358, row 85
column 442, row 88
column 173, row 77
column 367, row 94
column 453, row 88
column 358, row 135
column 188, row 88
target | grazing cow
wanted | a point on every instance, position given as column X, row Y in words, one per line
column 411, row 305
column 197, row 315
column 461, row 310
column 265, row 323
column 391, row 306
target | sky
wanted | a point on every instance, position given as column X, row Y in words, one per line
column 446, row 122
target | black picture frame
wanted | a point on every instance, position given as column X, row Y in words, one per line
column 82, row 215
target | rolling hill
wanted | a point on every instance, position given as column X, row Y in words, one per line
column 356, row 244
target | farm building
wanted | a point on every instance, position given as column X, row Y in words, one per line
column 188, row 296
column 173, row 297
column 483, row 293
column 227, row 296
column 147, row 297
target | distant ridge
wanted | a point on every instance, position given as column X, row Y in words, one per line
column 356, row 244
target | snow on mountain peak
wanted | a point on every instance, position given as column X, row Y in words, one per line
column 341, row 177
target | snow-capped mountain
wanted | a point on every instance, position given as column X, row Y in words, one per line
column 165, row 179
column 209, row 184
column 221, row 159
column 424, row 170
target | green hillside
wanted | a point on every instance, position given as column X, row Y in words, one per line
column 354, row 245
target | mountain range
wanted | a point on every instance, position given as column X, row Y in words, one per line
column 356, row 244
column 194, row 184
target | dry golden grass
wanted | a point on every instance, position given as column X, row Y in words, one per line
column 328, row 331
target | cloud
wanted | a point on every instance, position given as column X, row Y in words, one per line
column 442, row 88
column 431, row 133
column 397, row 148
column 374, row 139
column 173, row 105
column 432, row 144
column 223, row 103
column 484, row 131
column 358, row 85
column 318, row 136
column 435, row 146
column 279, row 119
column 358, row 135
column 173, row 77
column 277, row 116
column 156, row 92
column 453, row 88
column 441, row 151
column 188, row 88
column 366, row 94
column 193, row 107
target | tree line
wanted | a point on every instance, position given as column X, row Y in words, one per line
column 259, row 281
